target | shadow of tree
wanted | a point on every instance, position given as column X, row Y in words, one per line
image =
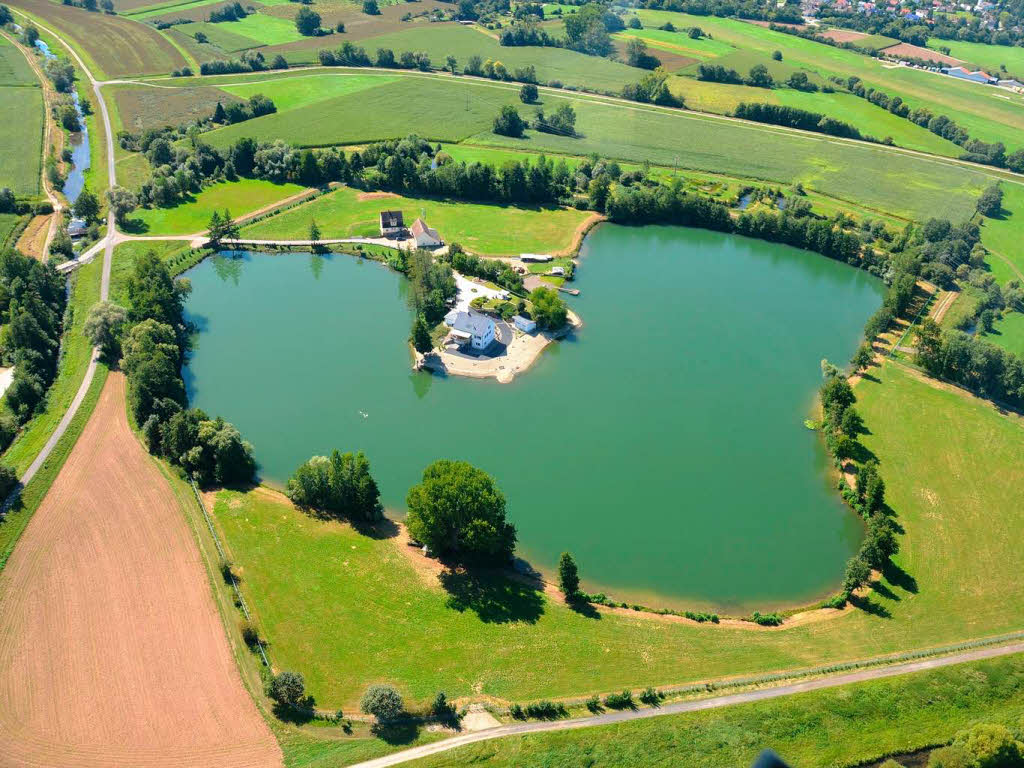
column 404, row 732
column 583, row 608
column 899, row 578
column 294, row 715
column 868, row 605
column 882, row 590
column 496, row 599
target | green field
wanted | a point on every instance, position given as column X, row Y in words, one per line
column 679, row 42
column 14, row 70
column 21, row 140
column 300, row 91
column 1003, row 236
column 844, row 726
column 455, row 110
column 957, row 577
column 112, row 46
column 1008, row 333
column 876, row 42
column 489, row 229
column 239, row 197
column 252, row 31
column 990, row 57
column 139, row 108
column 979, row 110
column 167, row 8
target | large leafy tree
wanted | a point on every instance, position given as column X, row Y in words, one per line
column 457, row 510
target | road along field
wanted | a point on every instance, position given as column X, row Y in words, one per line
column 111, row 650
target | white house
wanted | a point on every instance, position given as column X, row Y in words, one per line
column 536, row 258
column 391, row 224
column 524, row 324
column 424, row 235
column 558, row 271
column 471, row 328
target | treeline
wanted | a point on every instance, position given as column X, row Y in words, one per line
column 750, row 9
column 32, row 306
column 971, row 362
column 841, row 426
column 944, row 27
column 975, row 150
column 249, row 61
column 758, row 77
column 351, row 55
column 340, row 485
column 652, row 89
column 791, row 117
column 230, row 12
column 498, row 272
column 153, row 342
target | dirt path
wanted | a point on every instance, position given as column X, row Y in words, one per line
column 943, row 304
column 111, row 650
column 715, row 702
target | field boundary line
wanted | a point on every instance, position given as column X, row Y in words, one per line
column 225, row 564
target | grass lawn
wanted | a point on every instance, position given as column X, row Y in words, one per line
column 239, row 197
column 266, row 30
column 876, row 42
column 979, row 110
column 125, row 255
column 1003, row 235
column 8, row 221
column 844, row 726
column 301, row 91
column 489, row 229
column 958, row 576
column 21, row 140
column 14, row 70
column 1008, row 333
column 680, row 42
column 988, row 57
column 220, row 35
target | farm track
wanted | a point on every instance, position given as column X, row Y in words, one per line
column 112, row 652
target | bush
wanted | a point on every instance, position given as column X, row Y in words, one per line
column 383, row 701
column 650, row 697
column 594, row 704
column 250, row 635
column 442, row 709
column 545, row 710
column 528, row 93
column 766, row 619
column 517, row 712
column 289, row 690
column 622, row 700
column 508, row 122
column 8, row 481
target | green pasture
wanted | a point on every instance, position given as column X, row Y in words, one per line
column 8, row 221
column 744, row 60
column 301, row 91
column 876, row 42
column 441, row 40
column 702, row 49
column 161, row 9
column 1008, row 333
column 489, row 229
column 14, row 70
column 1003, row 235
column 842, row 726
column 252, row 31
column 21, row 139
column 239, row 197
column 316, row 586
column 980, row 111
column 990, row 57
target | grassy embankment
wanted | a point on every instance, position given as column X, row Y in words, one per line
column 21, row 140
column 489, row 229
column 1002, row 235
column 983, row 114
column 77, row 352
column 844, row 726
column 488, row 636
column 885, row 181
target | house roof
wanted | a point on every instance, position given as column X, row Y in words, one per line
column 390, row 219
column 471, row 322
column 419, row 227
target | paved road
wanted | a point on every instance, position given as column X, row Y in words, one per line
column 715, row 702
column 107, row 244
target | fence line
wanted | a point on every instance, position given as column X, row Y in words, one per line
column 224, row 560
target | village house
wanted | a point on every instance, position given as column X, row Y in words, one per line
column 470, row 328
column 524, row 324
column 392, row 224
column 425, row 236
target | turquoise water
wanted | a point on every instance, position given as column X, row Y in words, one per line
column 663, row 444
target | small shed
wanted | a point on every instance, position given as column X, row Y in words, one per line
column 558, row 271
column 524, row 324
column 424, row 235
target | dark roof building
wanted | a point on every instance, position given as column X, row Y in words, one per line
column 391, row 221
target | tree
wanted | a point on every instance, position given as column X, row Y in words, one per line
column 370, row 8
column 314, row 234
column 103, row 327
column 991, row 746
column 777, row 55
column 122, row 202
column 442, row 709
column 990, row 203
column 289, row 690
column 760, row 77
column 528, row 93
column 341, row 483
column 383, row 701
column 222, row 227
column 857, row 574
column 8, row 477
column 863, row 357
column 218, row 114
column 568, row 577
column 548, row 310
column 421, row 340
column 450, row 63
column 458, row 510
column 87, row 206
column 307, row 22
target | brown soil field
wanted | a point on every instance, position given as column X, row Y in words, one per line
column 112, row 652
column 33, row 239
column 843, row 35
column 118, row 46
column 671, row 61
column 908, row 51
column 142, row 107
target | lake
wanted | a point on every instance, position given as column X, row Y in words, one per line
column 663, row 444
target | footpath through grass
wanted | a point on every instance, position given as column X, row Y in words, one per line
column 842, row 726
column 348, row 609
column 488, row 229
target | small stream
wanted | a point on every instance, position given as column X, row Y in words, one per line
column 79, row 144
